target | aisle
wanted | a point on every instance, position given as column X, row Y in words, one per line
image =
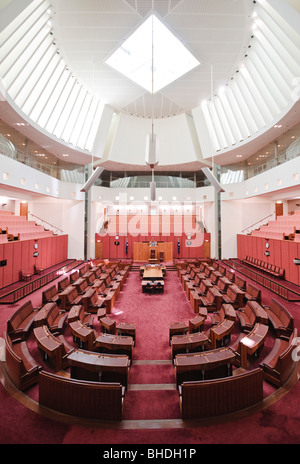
column 152, row 392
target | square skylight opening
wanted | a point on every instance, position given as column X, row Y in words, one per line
column 171, row 59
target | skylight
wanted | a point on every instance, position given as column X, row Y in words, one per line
column 134, row 58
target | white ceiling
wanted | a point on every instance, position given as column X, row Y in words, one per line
column 217, row 32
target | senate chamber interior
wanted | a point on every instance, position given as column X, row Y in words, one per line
column 149, row 222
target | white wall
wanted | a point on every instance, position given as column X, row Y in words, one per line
column 237, row 215
column 176, row 142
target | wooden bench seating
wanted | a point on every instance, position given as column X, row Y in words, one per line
column 226, row 311
column 212, row 301
column 279, row 364
column 234, row 296
column 74, row 276
column 92, row 301
column 78, row 312
column 21, row 367
column 63, row 284
column 251, row 344
column 199, row 399
column 252, row 292
column 204, row 286
column 21, row 321
column 51, row 295
column 56, row 318
column 70, row 297
column 240, row 282
column 81, row 285
column 280, row 318
column 223, row 284
column 247, row 317
column 90, row 400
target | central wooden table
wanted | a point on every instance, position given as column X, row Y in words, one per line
column 87, row 365
column 153, row 273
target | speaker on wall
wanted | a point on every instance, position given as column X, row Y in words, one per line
column 210, row 176
column 153, row 191
column 151, row 155
column 90, row 182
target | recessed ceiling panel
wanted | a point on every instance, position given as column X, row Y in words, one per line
column 152, row 56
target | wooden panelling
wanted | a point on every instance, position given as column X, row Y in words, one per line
column 221, row 396
column 19, row 255
column 93, row 400
column 141, row 251
column 282, row 254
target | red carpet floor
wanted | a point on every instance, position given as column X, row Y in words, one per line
column 151, row 414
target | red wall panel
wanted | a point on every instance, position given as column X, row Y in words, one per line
column 17, row 247
column 293, row 268
column 8, row 269
column 1, row 268
column 19, row 255
column 282, row 254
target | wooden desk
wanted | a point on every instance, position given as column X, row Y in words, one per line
column 200, row 366
column 52, row 348
column 195, row 300
column 80, row 284
column 187, row 343
column 124, row 328
column 118, row 343
column 74, row 312
column 261, row 314
column 85, row 334
column 177, row 328
column 109, row 325
column 158, row 266
column 153, row 273
column 87, row 365
column 252, row 342
column 152, row 286
column 196, row 324
column 41, row 317
column 220, row 331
